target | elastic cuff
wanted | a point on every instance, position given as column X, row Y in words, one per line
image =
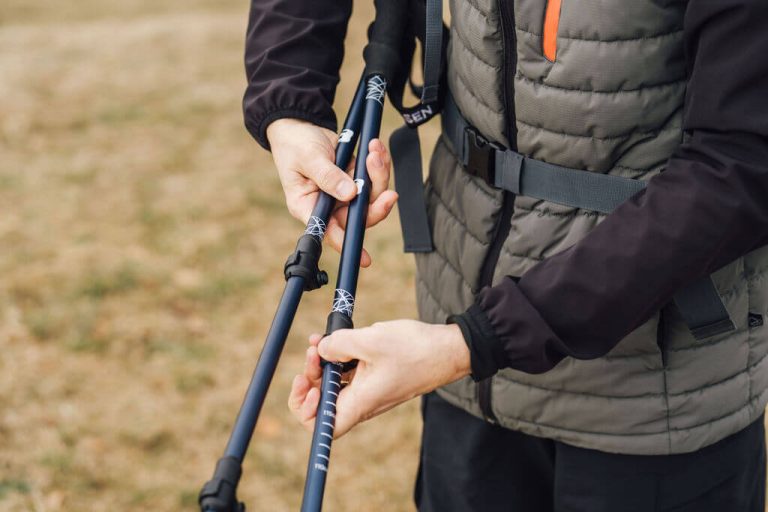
column 483, row 344
column 258, row 128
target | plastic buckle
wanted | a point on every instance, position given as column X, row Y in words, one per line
column 479, row 155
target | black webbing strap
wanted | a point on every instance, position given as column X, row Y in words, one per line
column 703, row 310
column 433, row 49
column 533, row 178
column 406, row 158
column 699, row 303
column 404, row 142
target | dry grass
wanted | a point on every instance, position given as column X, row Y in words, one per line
column 143, row 235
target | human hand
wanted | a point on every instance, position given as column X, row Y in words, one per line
column 305, row 154
column 398, row 360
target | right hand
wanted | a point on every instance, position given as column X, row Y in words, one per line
column 305, row 154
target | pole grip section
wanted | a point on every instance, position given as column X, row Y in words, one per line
column 386, row 39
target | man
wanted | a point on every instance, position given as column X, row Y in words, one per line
column 583, row 357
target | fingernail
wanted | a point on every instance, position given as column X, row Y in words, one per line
column 345, row 188
column 376, row 160
column 321, row 349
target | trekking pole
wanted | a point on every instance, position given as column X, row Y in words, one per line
column 343, row 301
column 302, row 274
column 382, row 57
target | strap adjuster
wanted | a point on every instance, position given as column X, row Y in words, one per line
column 479, row 155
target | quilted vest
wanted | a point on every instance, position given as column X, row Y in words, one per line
column 601, row 89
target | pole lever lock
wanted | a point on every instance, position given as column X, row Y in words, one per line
column 218, row 493
column 304, row 261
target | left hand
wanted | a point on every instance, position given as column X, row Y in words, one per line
column 398, row 360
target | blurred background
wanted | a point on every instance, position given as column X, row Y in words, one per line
column 143, row 235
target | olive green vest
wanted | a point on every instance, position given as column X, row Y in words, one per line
column 609, row 102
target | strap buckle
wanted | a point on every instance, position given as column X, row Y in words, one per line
column 479, row 155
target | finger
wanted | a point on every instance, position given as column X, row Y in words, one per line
column 334, row 235
column 378, row 163
column 377, row 211
column 349, row 411
column 331, row 179
column 312, row 369
column 365, row 259
column 381, row 208
column 308, row 409
column 385, row 152
column 300, row 206
column 299, row 389
column 315, row 338
column 344, row 345
column 378, row 146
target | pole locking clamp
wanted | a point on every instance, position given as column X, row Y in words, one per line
column 303, row 262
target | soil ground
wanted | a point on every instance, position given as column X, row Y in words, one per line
column 143, row 234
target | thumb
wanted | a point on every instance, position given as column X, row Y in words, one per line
column 349, row 410
column 331, row 179
column 342, row 346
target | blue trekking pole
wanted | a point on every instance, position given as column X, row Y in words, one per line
column 382, row 58
column 302, row 274
column 343, row 300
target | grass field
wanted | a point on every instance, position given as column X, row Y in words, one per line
column 143, row 235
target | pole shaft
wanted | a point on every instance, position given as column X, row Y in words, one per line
column 344, row 299
column 219, row 493
column 248, row 415
column 265, row 369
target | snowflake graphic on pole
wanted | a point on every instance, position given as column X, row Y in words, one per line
column 343, row 302
column 377, row 86
column 315, row 227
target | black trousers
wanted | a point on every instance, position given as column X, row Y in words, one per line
column 469, row 465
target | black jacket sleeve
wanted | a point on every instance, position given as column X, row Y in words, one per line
column 293, row 51
column 706, row 209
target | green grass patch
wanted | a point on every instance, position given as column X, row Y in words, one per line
column 10, row 485
column 84, row 335
column 184, row 350
column 222, row 287
column 58, row 461
column 188, row 499
column 192, row 382
column 41, row 324
column 98, row 285
column 9, row 181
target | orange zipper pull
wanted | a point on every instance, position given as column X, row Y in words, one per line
column 551, row 22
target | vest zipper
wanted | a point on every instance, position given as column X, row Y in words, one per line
column 503, row 225
column 501, row 231
column 661, row 336
column 509, row 49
